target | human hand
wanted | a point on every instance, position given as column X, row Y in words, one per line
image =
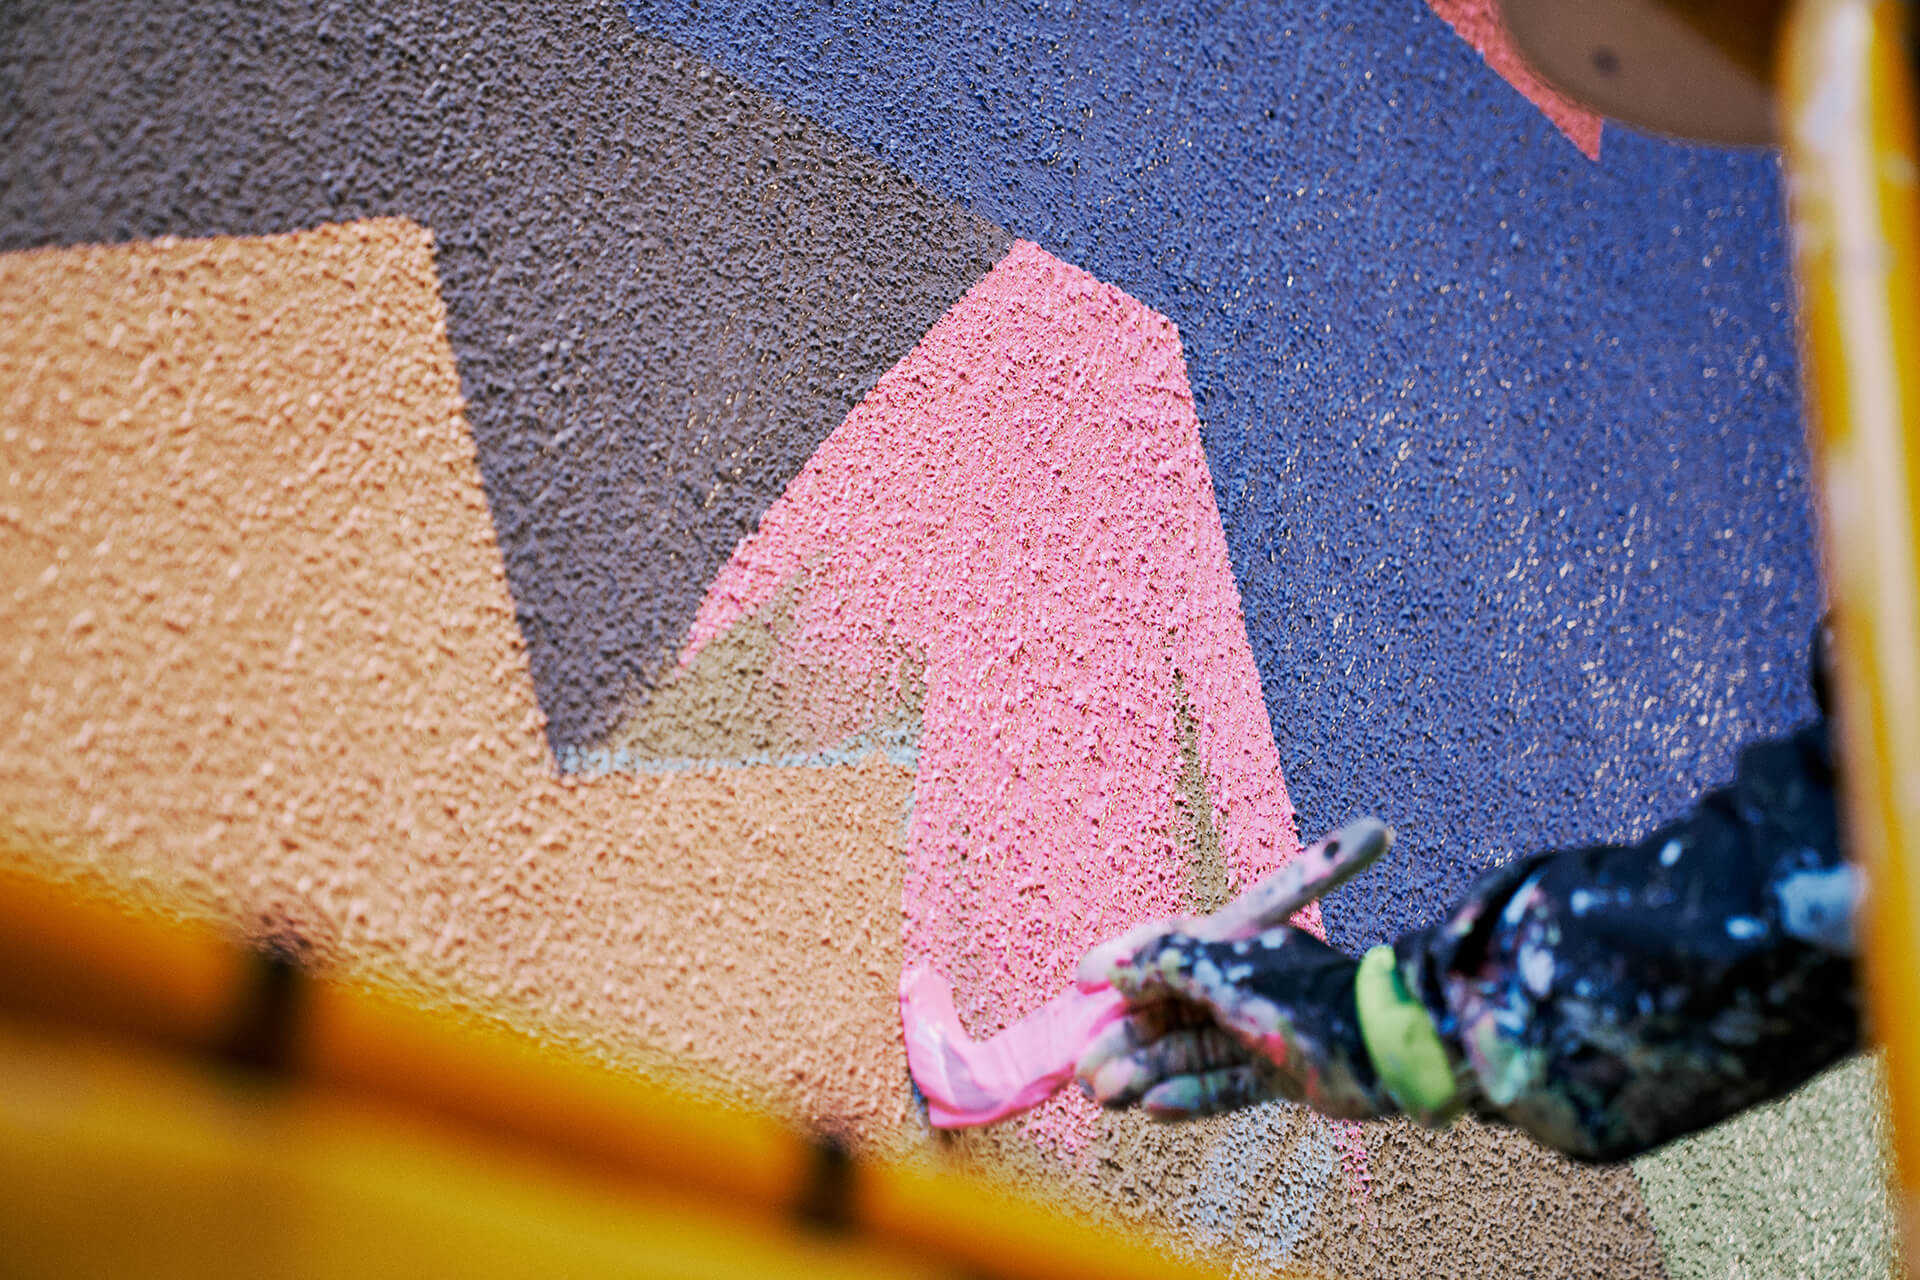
column 1217, row 1025
column 1237, row 1008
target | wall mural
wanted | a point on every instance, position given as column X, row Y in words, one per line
column 645, row 520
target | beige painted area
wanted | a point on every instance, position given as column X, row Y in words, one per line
column 1797, row 1187
column 1276, row 1189
column 741, row 698
column 1481, row 1200
column 259, row 660
column 1251, row 1187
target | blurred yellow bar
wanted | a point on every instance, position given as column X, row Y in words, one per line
column 1847, row 123
column 118, row 1163
column 135, row 1138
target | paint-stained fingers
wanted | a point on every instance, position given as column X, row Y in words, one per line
column 1195, row 1051
column 1096, row 967
column 1192, row 1096
column 1181, row 968
column 1143, row 1026
column 1319, row 869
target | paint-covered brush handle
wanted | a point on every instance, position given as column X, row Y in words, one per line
column 1320, row 869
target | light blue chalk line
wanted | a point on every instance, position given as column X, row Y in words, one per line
column 896, row 746
column 1266, row 1239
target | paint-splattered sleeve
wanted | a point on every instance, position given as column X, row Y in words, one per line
column 1609, row 999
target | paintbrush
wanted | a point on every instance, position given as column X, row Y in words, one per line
column 968, row 1082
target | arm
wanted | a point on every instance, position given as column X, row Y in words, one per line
column 1605, row 1000
column 1609, row 999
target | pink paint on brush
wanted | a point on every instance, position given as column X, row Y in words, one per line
column 971, row 1082
column 1023, row 502
column 1478, row 23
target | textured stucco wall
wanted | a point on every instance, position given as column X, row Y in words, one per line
column 643, row 519
column 263, row 662
column 626, row 238
column 1782, row 1190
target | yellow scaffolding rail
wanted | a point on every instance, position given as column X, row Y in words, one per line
column 175, row 1104
column 1846, row 86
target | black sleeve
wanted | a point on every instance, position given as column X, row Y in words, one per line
column 1612, row 998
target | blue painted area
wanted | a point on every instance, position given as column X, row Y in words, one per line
column 1505, row 443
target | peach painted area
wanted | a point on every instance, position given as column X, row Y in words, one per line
column 1023, row 501
column 1478, row 23
column 258, row 659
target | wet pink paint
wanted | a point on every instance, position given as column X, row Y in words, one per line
column 1350, row 1142
column 1023, row 502
column 971, row 1082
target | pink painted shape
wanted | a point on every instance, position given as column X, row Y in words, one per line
column 971, row 1082
column 1478, row 23
column 1024, row 501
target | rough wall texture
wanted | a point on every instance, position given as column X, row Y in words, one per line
column 262, row 659
column 1782, row 1190
column 1021, row 507
column 1505, row 442
column 658, row 669
column 662, row 289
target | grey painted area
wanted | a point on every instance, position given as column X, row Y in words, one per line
column 663, row 290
